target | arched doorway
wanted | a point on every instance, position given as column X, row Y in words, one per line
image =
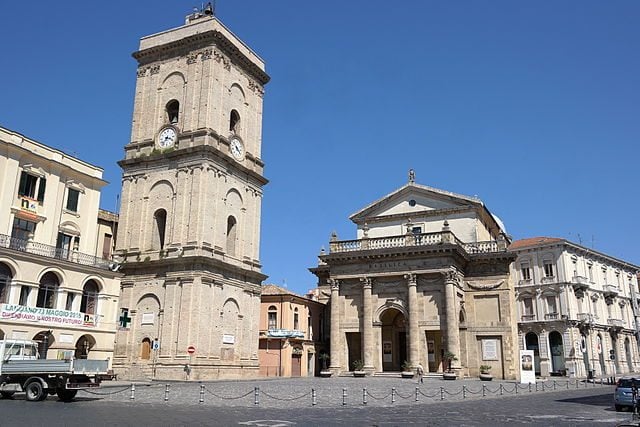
column 584, row 348
column 45, row 341
column 83, row 346
column 627, row 351
column 600, row 351
column 532, row 343
column 6, row 277
column 557, row 352
column 394, row 340
column 145, row 349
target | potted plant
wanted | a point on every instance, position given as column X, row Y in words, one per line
column 485, row 373
column 407, row 372
column 447, row 358
column 324, row 357
column 358, row 368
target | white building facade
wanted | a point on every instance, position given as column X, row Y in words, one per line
column 577, row 308
column 55, row 287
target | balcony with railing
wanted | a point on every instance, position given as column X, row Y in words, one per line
column 41, row 249
column 528, row 317
column 610, row 290
column 551, row 316
column 412, row 240
column 615, row 323
column 585, row 317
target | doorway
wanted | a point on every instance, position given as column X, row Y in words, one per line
column 296, row 365
column 627, row 351
column 557, row 352
column 354, row 347
column 532, row 343
column 394, row 340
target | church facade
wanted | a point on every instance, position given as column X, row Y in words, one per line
column 427, row 276
column 189, row 232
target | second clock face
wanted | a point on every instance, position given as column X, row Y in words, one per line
column 237, row 148
column 167, row 137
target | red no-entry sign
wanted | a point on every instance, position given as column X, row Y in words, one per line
column 191, row 349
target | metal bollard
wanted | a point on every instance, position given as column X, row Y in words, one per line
column 464, row 391
column 516, row 388
column 417, row 391
column 484, row 390
column 554, row 385
column 166, row 393
column 133, row 392
column 256, row 395
column 201, row 394
column 313, row 397
column 577, row 384
column 501, row 390
column 441, row 393
column 529, row 387
column 364, row 396
column 537, row 387
column 344, row 396
column 393, row 395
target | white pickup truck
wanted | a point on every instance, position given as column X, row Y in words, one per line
column 21, row 369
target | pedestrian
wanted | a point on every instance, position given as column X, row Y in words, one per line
column 420, row 372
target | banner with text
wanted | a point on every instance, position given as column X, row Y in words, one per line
column 45, row 316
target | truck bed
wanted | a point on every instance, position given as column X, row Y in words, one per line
column 50, row 366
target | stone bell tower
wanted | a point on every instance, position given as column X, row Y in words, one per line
column 189, row 236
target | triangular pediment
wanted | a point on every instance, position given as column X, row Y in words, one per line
column 413, row 199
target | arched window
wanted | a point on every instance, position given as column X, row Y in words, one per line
column 296, row 319
column 273, row 317
column 231, row 235
column 173, row 111
column 47, row 291
column 89, row 297
column 145, row 349
column 5, row 281
column 160, row 224
column 234, row 122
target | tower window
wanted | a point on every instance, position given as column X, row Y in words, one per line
column 173, row 111
column 160, row 223
column 231, row 235
column 234, row 122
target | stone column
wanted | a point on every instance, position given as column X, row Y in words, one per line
column 414, row 339
column 334, row 361
column 367, row 324
column 452, row 331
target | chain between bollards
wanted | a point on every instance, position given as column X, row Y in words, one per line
column 201, row 393
column 133, row 392
column 166, row 393
column 313, row 397
column 364, row 396
column 344, row 396
column 256, row 395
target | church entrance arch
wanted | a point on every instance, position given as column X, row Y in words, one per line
column 394, row 339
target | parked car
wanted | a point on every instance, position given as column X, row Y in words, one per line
column 624, row 393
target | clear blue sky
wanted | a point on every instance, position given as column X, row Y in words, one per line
column 532, row 106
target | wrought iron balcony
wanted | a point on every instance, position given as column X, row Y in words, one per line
column 407, row 240
column 49, row 251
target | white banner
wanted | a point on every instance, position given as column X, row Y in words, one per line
column 45, row 316
column 527, row 367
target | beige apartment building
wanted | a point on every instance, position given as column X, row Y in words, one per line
column 577, row 308
column 56, row 285
column 189, row 230
column 428, row 273
column 291, row 333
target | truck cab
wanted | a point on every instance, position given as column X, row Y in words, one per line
column 19, row 350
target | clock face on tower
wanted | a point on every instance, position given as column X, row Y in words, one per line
column 237, row 148
column 167, row 137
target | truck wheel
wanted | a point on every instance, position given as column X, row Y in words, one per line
column 7, row 394
column 35, row 392
column 66, row 395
